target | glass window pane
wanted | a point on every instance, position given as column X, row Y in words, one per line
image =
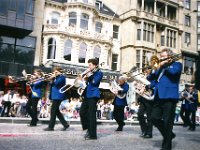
column 3, row 7
column 6, row 52
column 21, row 9
column 29, row 6
column 51, row 48
column 85, row 1
column 82, row 53
column 67, row 50
column 114, row 61
column 27, row 41
column 55, row 17
column 97, row 52
column 12, row 4
column 5, row 39
column 24, row 55
column 98, row 27
column 72, row 19
column 84, row 21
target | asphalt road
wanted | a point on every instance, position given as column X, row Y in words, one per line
column 22, row 137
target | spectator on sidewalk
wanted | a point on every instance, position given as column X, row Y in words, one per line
column 6, row 104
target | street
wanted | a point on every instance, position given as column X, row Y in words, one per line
column 22, row 137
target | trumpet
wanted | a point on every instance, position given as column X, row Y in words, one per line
column 155, row 61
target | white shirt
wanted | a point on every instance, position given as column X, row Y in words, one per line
column 7, row 98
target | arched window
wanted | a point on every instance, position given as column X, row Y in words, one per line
column 98, row 27
column 97, row 52
column 51, row 48
column 72, row 18
column 67, row 50
column 85, row 1
column 82, row 53
column 84, row 21
column 55, row 17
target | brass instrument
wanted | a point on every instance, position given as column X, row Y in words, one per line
column 186, row 95
column 79, row 82
column 114, row 88
column 155, row 61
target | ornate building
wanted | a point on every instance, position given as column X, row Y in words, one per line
column 77, row 30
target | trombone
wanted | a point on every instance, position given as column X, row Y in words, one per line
column 79, row 82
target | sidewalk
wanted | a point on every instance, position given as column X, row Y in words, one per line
column 15, row 120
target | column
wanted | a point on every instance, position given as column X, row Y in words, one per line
column 166, row 6
column 142, row 9
column 155, row 7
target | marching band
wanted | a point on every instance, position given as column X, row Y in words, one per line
column 159, row 105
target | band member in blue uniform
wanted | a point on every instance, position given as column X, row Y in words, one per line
column 91, row 96
column 192, row 98
column 166, row 96
column 58, row 81
column 145, row 107
column 36, row 85
column 120, row 102
column 184, row 113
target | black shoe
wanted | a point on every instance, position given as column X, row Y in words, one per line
column 147, row 136
column 48, row 129
column 142, row 134
column 120, row 128
column 65, row 127
column 191, row 129
column 173, row 135
column 32, row 125
column 91, row 138
column 87, row 134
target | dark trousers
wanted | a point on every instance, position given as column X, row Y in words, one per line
column 88, row 116
column 192, row 116
column 118, row 115
column 184, row 113
column 99, row 114
column 145, row 123
column 31, row 108
column 8, row 106
column 56, row 112
column 163, row 114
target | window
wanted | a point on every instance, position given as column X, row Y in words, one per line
column 12, row 4
column 85, row 1
column 188, row 65
column 187, row 4
column 115, row 31
column 51, row 48
column 67, row 50
column 198, row 8
column 29, row 6
column 187, row 38
column 162, row 40
column 84, row 21
column 82, row 53
column 198, row 42
column 148, row 32
column 21, row 9
column 139, row 31
column 171, row 38
column 72, row 19
column 138, row 58
column 17, row 50
column 55, row 17
column 4, row 7
column 114, row 61
column 97, row 52
column 187, row 20
column 98, row 27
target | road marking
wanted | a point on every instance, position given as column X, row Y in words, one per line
column 18, row 134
